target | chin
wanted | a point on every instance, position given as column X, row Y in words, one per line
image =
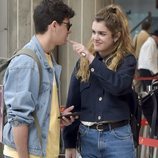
column 62, row 43
column 97, row 49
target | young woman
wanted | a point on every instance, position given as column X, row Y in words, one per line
column 99, row 88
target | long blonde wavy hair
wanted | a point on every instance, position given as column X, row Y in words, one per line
column 116, row 21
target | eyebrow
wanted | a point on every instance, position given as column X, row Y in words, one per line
column 100, row 31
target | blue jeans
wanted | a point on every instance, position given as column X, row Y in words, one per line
column 115, row 143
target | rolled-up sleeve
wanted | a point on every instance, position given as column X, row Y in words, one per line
column 21, row 87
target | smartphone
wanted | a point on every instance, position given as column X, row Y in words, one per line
column 69, row 115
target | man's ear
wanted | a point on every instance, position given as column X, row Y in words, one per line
column 53, row 25
column 117, row 36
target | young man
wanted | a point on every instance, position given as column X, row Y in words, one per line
column 22, row 93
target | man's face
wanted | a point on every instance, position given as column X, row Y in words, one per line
column 62, row 32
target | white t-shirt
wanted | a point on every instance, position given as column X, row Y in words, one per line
column 148, row 57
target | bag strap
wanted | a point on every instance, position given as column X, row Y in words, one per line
column 30, row 53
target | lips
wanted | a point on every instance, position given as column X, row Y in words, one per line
column 97, row 44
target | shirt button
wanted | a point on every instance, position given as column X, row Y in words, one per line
column 99, row 117
column 100, row 98
column 92, row 69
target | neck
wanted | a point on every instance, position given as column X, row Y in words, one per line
column 105, row 54
column 45, row 43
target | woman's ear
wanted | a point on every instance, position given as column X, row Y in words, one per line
column 117, row 36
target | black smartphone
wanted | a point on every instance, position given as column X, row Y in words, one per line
column 68, row 115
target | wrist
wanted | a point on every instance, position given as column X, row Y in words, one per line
column 87, row 55
column 90, row 57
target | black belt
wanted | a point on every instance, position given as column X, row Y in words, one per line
column 108, row 126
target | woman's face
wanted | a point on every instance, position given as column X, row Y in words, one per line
column 102, row 38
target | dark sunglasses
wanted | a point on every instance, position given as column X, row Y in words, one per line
column 68, row 25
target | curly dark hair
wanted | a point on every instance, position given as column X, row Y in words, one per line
column 49, row 10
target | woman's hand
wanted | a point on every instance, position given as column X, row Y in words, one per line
column 81, row 50
column 67, row 121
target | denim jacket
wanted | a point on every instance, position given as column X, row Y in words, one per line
column 22, row 96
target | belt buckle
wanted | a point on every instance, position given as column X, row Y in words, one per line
column 98, row 127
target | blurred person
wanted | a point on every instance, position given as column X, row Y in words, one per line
column 22, row 94
column 139, row 40
column 148, row 59
column 100, row 82
column 141, row 37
